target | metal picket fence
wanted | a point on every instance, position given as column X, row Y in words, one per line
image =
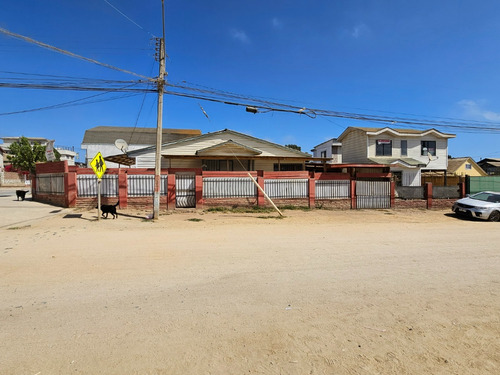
column 333, row 189
column 229, row 187
column 144, row 185
column 287, row 188
column 52, row 183
column 87, row 185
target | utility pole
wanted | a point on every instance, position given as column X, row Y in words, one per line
column 160, row 82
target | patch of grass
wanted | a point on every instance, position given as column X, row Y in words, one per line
column 244, row 210
column 195, row 219
column 292, row 207
column 271, row 217
column 16, row 228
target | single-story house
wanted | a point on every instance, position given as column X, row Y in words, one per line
column 465, row 166
column 490, row 165
column 224, row 150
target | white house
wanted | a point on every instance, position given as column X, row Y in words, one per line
column 407, row 151
column 331, row 150
column 102, row 139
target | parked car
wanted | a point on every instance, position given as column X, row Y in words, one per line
column 484, row 205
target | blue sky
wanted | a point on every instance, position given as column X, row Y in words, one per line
column 433, row 59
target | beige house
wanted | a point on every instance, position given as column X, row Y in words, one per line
column 408, row 152
column 464, row 167
column 103, row 139
column 225, row 150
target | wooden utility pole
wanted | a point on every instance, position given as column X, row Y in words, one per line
column 160, row 82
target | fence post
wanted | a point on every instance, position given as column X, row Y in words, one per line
column 428, row 194
column 467, row 184
column 260, row 196
column 461, row 189
column 312, row 191
column 393, row 193
column 199, row 191
column 353, row 194
column 122, row 188
column 171, row 191
column 70, row 189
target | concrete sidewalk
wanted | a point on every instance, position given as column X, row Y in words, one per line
column 15, row 212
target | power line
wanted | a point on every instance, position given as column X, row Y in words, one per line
column 71, row 54
column 128, row 18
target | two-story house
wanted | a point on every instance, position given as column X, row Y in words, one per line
column 408, row 152
column 331, row 150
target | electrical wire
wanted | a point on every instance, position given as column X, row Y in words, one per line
column 128, row 18
column 71, row 54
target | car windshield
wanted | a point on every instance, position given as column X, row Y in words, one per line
column 486, row 197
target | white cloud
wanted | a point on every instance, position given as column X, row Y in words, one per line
column 240, row 36
column 277, row 23
column 475, row 110
column 359, row 31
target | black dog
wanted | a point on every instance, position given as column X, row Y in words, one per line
column 109, row 209
column 21, row 194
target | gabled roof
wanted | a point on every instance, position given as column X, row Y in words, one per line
column 226, row 133
column 229, row 147
column 134, row 135
column 396, row 132
column 455, row 163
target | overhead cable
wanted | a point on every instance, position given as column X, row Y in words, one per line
column 64, row 52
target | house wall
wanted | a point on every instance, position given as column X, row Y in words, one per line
column 354, row 147
column 476, row 171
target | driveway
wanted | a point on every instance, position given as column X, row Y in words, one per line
column 15, row 212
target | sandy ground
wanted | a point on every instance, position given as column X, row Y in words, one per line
column 319, row 292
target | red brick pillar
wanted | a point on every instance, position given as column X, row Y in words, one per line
column 70, row 188
column 122, row 188
column 353, row 194
column 199, row 191
column 461, row 189
column 312, row 192
column 171, row 191
column 261, row 200
column 428, row 194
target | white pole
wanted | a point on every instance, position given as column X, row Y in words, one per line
column 265, row 195
column 98, row 199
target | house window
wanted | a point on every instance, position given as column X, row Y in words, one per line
column 287, row 167
column 383, row 147
column 404, row 148
column 217, row 165
column 323, row 154
column 468, row 166
column 428, row 148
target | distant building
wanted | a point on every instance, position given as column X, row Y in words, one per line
column 331, row 149
column 490, row 165
column 465, row 166
column 67, row 153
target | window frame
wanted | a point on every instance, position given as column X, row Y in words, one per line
column 383, row 147
column 426, row 145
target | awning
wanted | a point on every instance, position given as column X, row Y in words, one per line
column 120, row 159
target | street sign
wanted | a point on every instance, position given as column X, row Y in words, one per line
column 98, row 165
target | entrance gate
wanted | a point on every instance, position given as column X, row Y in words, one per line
column 373, row 194
column 185, row 190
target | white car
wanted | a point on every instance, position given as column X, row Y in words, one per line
column 484, row 205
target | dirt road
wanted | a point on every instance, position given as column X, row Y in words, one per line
column 319, row 292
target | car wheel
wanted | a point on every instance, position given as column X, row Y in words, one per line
column 494, row 216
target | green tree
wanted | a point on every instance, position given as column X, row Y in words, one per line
column 24, row 156
column 295, row 147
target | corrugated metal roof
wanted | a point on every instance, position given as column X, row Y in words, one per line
column 134, row 136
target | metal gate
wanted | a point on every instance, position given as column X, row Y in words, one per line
column 185, row 190
column 373, row 194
